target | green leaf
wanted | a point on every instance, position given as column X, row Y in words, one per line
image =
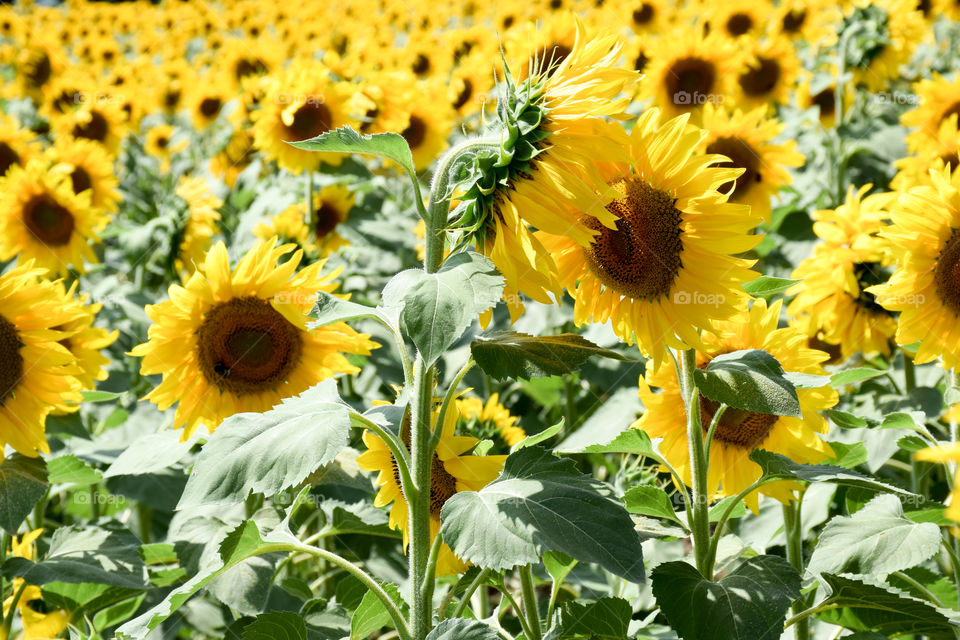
column 150, row 453
column 605, row 618
column 716, row 511
column 877, row 539
column 537, row 438
column 269, row 452
column 776, row 466
column 650, row 501
column 438, row 307
column 462, row 629
column 912, row 443
column 371, row 615
column 749, row 603
column 847, row 455
column 104, row 554
column 99, row 396
column 749, row 380
column 346, row 140
column 70, row 469
column 23, row 483
column 541, row 503
column 329, row 309
column 241, row 543
column 766, row 286
column 509, row 354
column 276, row 625
column 846, row 420
column 887, row 611
column 558, row 565
column 853, row 376
column 633, row 441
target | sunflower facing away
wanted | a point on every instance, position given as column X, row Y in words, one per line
column 42, row 219
column 831, row 303
column 453, row 470
column 40, row 620
column 666, row 269
column 740, row 432
column 925, row 241
column 39, row 374
column 236, row 341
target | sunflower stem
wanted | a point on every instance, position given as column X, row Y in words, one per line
column 530, row 603
column 699, row 517
column 448, row 399
column 429, row 581
column 909, row 373
column 420, row 433
column 471, row 589
column 401, row 456
column 793, row 531
column 8, row 620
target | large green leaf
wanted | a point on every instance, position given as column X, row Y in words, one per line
column 877, row 539
column 462, row 629
column 276, row 625
column 749, row 603
column 347, row 140
column 241, row 543
column 776, row 466
column 509, row 354
column 885, row 610
column 541, row 503
column 104, row 554
column 269, row 452
column 749, row 380
column 438, row 307
column 604, row 618
column 23, row 483
column 70, row 469
column 150, row 453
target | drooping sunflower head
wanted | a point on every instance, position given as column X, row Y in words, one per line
column 832, row 302
column 43, row 220
column 90, row 168
column 739, row 432
column 666, row 267
column 747, row 140
column 454, row 469
column 236, row 340
column 925, row 241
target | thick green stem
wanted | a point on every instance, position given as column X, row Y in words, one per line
column 530, row 603
column 429, row 581
column 793, row 531
column 909, row 373
column 448, row 400
column 421, row 430
column 727, row 512
column 699, row 516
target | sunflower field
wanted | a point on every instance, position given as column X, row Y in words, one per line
column 553, row 320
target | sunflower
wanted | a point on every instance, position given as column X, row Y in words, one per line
column 769, row 73
column 160, row 143
column 738, row 19
column 97, row 120
column 938, row 104
column 208, row 99
column 229, row 342
column 945, row 454
column 665, row 270
column 16, row 144
column 40, row 620
column 302, row 103
column 648, row 17
column 36, row 66
column 747, row 140
column 39, row 374
column 739, row 431
column 925, row 241
column 820, row 91
column 236, row 156
column 813, row 21
column 831, row 303
column 898, row 29
column 429, row 120
column 90, row 168
column 242, row 58
column 491, row 420
column 42, row 219
column 380, row 101
column 933, row 153
column 315, row 233
column 85, row 341
column 687, row 70
column 200, row 222
column 453, row 470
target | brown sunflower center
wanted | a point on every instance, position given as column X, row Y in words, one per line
column 421, row 65
column 326, row 219
column 793, row 20
column 826, row 100
column 248, row 67
column 762, row 79
column 744, row 429
column 946, row 274
column 643, row 15
column 925, row 6
column 951, row 160
column 96, row 128
column 738, row 24
column 443, row 486
column 416, row 132
column 210, row 107
column 66, row 99
column 689, row 79
column 310, row 120
column 12, row 369
column 741, row 156
column 465, row 94
column 641, row 257
column 39, row 71
column 49, row 221
column 550, row 57
column 171, row 98
column 952, row 110
column 245, row 346
column 162, row 142
column 641, row 61
column 80, row 180
column 8, row 157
